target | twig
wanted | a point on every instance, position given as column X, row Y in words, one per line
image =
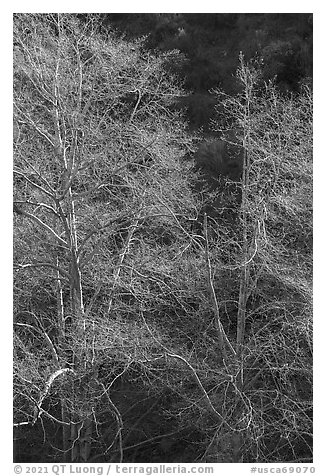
column 38, row 205
column 177, row 221
column 48, row 265
column 136, row 106
column 220, row 329
column 150, row 440
column 118, row 418
column 176, row 356
column 43, row 133
column 123, row 254
column 22, row 174
column 19, row 211
column 49, row 341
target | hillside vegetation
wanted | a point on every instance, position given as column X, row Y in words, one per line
column 162, row 238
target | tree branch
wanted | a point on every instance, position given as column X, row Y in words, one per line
column 49, row 341
column 48, row 265
column 219, row 327
column 48, row 385
column 46, row 135
column 176, row 356
column 46, row 227
column 37, row 204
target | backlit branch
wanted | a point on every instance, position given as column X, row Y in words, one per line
column 37, row 220
column 46, row 265
column 46, row 192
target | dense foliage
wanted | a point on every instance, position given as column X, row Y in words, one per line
column 162, row 289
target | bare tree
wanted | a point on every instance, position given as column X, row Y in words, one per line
column 96, row 161
column 273, row 266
